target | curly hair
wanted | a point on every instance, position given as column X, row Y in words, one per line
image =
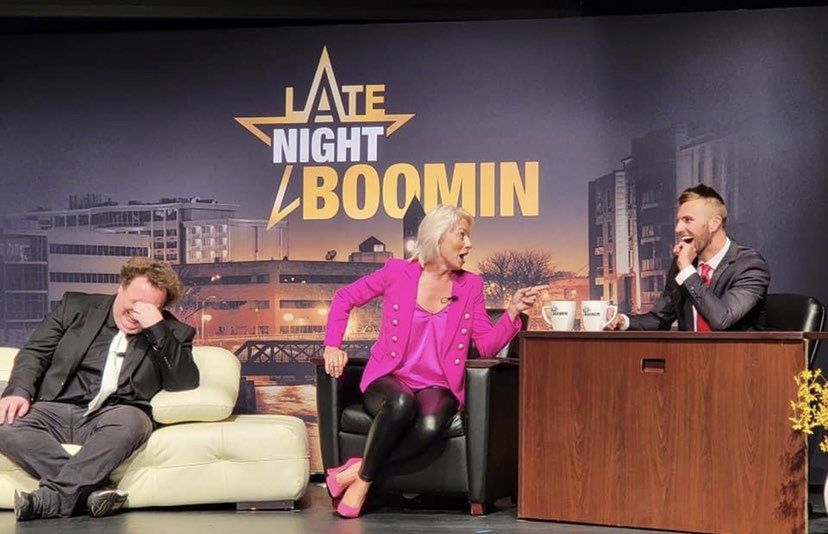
column 158, row 273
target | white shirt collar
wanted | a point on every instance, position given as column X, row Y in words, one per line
column 717, row 259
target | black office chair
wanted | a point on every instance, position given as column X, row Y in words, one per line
column 790, row 312
column 801, row 313
column 478, row 458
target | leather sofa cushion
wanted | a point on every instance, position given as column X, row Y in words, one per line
column 212, row 400
column 356, row 420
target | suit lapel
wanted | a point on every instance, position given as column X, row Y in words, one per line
column 724, row 265
column 136, row 351
column 94, row 321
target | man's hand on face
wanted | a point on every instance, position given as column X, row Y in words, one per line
column 12, row 407
column 146, row 314
column 685, row 254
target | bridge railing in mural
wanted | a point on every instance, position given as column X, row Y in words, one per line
column 290, row 358
column 277, row 376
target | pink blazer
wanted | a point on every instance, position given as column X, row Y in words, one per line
column 397, row 283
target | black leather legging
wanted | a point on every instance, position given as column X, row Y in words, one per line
column 405, row 422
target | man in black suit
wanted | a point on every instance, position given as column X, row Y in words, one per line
column 86, row 377
column 713, row 282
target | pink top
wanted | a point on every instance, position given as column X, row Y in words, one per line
column 421, row 366
column 397, row 284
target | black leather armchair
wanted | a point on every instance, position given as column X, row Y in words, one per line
column 798, row 313
column 478, row 458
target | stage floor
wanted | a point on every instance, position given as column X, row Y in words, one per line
column 316, row 516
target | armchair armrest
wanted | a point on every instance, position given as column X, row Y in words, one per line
column 332, row 396
column 488, row 363
column 511, row 349
column 491, row 418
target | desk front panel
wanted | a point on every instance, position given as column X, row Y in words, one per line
column 684, row 435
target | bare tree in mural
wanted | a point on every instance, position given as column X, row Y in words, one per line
column 196, row 292
column 507, row 270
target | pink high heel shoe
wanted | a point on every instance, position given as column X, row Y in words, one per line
column 347, row 512
column 335, row 490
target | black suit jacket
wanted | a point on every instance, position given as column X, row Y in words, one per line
column 49, row 359
column 735, row 299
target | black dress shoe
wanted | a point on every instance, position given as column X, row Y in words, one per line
column 24, row 509
column 105, row 502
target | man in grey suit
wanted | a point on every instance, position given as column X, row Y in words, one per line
column 86, row 377
column 713, row 282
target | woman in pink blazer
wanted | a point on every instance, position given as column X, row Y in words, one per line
column 414, row 381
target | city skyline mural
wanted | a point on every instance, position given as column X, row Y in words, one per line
column 272, row 166
column 169, row 126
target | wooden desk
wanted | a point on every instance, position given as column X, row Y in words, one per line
column 663, row 430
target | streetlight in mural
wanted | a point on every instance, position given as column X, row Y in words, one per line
column 184, row 300
column 189, row 299
column 205, row 318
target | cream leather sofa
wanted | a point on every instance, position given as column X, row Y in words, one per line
column 201, row 454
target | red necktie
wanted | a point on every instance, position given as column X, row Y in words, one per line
column 701, row 324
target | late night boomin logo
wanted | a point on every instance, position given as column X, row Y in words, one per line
column 347, row 124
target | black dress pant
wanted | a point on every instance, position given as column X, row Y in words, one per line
column 107, row 437
column 405, row 422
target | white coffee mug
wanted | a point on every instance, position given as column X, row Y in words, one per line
column 560, row 314
column 594, row 314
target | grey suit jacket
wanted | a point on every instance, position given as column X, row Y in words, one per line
column 46, row 362
column 735, row 299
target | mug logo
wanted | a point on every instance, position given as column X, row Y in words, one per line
column 558, row 312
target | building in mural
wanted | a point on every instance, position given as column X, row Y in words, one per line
column 652, row 170
column 81, row 259
column 414, row 214
column 228, row 239
column 228, row 303
column 613, row 249
column 85, row 246
column 632, row 210
column 372, row 250
column 162, row 221
column 24, row 284
column 725, row 162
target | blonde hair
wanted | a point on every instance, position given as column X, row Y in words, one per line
column 437, row 222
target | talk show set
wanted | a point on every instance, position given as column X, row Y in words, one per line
column 350, row 269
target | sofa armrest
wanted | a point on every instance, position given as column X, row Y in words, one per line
column 332, row 396
column 213, row 399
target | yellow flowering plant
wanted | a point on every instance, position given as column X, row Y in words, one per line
column 811, row 405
